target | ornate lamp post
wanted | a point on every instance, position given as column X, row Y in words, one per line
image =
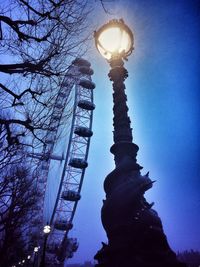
column 46, row 231
column 134, row 230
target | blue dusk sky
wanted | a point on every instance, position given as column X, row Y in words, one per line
column 163, row 98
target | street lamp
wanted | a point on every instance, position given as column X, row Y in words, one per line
column 36, row 249
column 134, row 230
column 46, row 231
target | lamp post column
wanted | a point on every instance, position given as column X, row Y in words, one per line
column 123, row 149
column 122, row 134
column 42, row 263
column 46, row 231
column 35, row 259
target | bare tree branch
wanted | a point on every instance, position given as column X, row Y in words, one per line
column 23, row 36
column 19, row 96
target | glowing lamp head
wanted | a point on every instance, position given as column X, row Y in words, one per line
column 114, row 39
column 47, row 229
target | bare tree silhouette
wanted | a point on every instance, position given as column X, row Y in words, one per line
column 17, row 199
column 38, row 40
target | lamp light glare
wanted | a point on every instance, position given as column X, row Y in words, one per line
column 114, row 39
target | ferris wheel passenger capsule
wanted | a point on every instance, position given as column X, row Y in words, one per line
column 81, row 62
column 71, row 195
column 87, row 84
column 85, row 104
column 78, row 163
column 83, row 131
column 86, row 70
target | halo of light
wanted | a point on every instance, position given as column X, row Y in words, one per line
column 114, row 39
column 36, row 249
column 47, row 229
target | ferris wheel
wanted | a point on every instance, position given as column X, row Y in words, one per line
column 63, row 162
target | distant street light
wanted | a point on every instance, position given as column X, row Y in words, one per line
column 134, row 230
column 36, row 249
column 46, row 231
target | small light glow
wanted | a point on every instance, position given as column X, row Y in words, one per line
column 47, row 229
column 36, row 249
column 23, row 261
column 28, row 257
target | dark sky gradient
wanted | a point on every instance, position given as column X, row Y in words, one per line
column 163, row 97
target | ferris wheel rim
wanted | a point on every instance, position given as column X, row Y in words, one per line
column 67, row 157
